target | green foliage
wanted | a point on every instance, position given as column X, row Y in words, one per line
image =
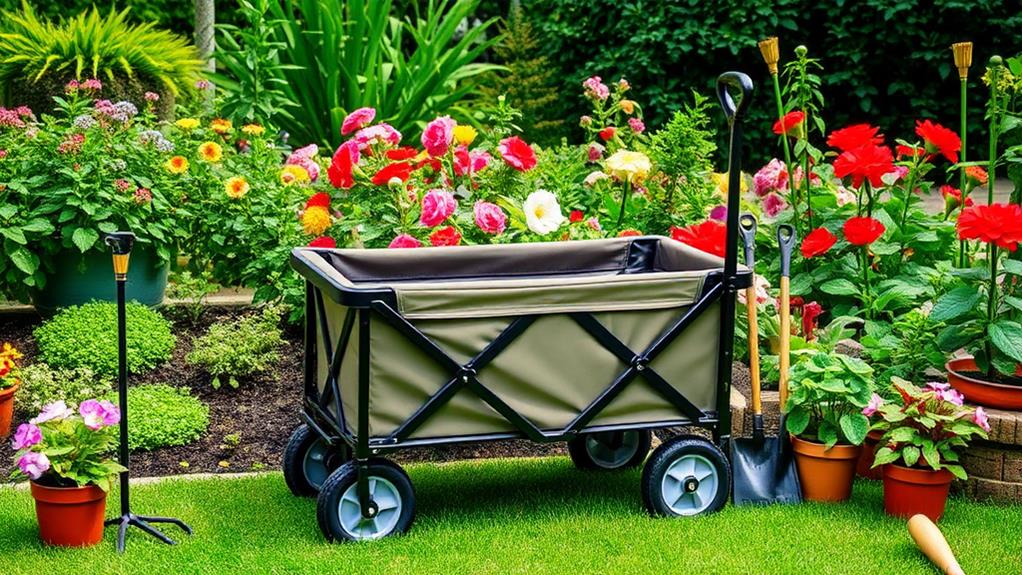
column 85, row 336
column 906, row 348
column 191, row 290
column 827, row 394
column 161, row 415
column 683, row 149
column 41, row 384
column 239, row 349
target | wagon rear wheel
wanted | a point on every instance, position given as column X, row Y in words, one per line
column 339, row 511
column 309, row 460
column 609, row 450
column 686, row 476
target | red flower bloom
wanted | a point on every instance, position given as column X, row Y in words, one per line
column 607, row 133
column 855, row 136
column 576, row 216
column 399, row 170
column 999, row 224
column 789, row 122
column 517, row 153
column 810, row 312
column 320, row 199
column 868, row 162
column 978, row 175
column 340, row 170
column 709, row 236
column 433, row 163
column 908, row 151
column 629, row 233
column 404, row 153
column 953, row 197
column 818, row 242
column 445, row 236
column 323, row 242
column 939, row 140
column 862, row 231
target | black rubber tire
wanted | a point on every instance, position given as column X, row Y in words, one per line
column 302, row 439
column 345, row 477
column 583, row 458
column 665, row 455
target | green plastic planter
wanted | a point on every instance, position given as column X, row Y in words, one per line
column 80, row 278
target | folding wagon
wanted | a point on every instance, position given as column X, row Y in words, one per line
column 595, row 343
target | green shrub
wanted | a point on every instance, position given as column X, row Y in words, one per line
column 161, row 415
column 41, row 384
column 86, row 336
column 240, row 348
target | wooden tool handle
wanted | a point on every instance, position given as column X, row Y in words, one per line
column 750, row 307
column 932, row 543
column 785, row 354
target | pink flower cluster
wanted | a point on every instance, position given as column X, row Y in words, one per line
column 595, row 89
column 90, row 85
column 303, row 157
column 357, row 120
column 71, row 145
column 943, row 392
column 15, row 117
column 99, row 414
column 468, row 163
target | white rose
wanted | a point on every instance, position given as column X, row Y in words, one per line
column 542, row 212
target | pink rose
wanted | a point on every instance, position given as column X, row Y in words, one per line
column 378, row 134
column 636, row 125
column 517, row 153
column 772, row 177
column 357, row 120
column 773, row 204
column 34, row 464
column 404, row 241
column 595, row 152
column 437, row 206
column 490, row 218
column 306, row 153
column 27, row 435
column 466, row 162
column 438, row 135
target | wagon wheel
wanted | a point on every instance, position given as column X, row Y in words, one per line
column 309, row 460
column 609, row 450
column 686, row 476
column 340, row 514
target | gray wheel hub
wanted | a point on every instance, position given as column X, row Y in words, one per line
column 690, row 485
column 612, row 449
column 389, row 505
column 315, row 464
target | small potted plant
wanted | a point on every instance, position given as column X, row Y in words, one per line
column 9, row 382
column 924, row 434
column 827, row 394
column 66, row 455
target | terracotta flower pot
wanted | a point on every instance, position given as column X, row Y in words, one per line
column 908, row 491
column 6, row 410
column 977, row 390
column 825, row 474
column 70, row 516
column 864, row 468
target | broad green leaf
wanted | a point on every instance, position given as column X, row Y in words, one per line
column 1011, row 266
column 8, row 211
column 955, row 303
column 910, row 454
column 854, row 426
column 885, row 455
column 931, row 455
column 1007, row 336
column 954, row 337
column 14, row 234
column 38, row 225
column 828, row 434
column 839, row 286
column 25, row 260
column 797, row 420
column 958, row 471
column 84, row 238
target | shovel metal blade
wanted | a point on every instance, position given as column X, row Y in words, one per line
column 764, row 472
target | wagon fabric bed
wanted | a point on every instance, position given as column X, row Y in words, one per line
column 591, row 342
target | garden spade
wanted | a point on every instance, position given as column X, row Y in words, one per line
column 763, row 467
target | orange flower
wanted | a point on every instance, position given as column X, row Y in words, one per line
column 236, row 187
column 221, row 126
column 977, row 174
column 177, row 165
column 316, row 220
column 211, row 152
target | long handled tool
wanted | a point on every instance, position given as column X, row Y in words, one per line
column 932, row 543
column 764, row 471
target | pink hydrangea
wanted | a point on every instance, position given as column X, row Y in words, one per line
column 438, row 135
column 27, row 435
column 875, row 402
column 490, row 218
column 437, row 206
column 636, row 125
column 772, row 177
column 596, row 89
column 34, row 464
column 980, row 419
column 357, row 120
column 596, row 152
column 773, row 204
column 378, row 134
column 404, row 241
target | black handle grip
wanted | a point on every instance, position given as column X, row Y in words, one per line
column 120, row 242
column 736, row 80
column 786, row 241
column 747, row 229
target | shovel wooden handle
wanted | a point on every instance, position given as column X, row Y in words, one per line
column 747, row 230
column 932, row 543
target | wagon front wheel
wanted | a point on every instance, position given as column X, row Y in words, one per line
column 609, row 450
column 340, row 513
column 686, row 476
column 309, row 460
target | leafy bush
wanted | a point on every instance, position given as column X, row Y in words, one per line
column 41, row 384
column 86, row 336
column 161, row 415
column 240, row 348
column 828, row 392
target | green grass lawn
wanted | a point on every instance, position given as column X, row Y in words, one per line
column 524, row 516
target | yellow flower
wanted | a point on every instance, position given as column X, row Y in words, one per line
column 292, row 174
column 253, row 129
column 627, row 106
column 187, row 123
column 236, row 187
column 465, row 134
column 316, row 220
column 177, row 165
column 211, row 151
column 10, row 352
column 221, row 126
column 629, row 166
column 720, row 181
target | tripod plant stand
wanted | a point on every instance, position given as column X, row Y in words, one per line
column 120, row 243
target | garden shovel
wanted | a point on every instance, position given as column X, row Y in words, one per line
column 763, row 467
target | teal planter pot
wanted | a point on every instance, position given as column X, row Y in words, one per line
column 80, row 278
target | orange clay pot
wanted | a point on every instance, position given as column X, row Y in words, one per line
column 908, row 491
column 70, row 516
column 864, row 468
column 825, row 474
column 6, row 410
column 982, row 392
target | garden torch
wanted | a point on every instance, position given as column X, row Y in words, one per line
column 120, row 243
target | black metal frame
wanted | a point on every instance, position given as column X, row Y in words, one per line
column 363, row 304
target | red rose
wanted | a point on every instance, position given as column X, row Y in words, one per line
column 628, row 233
column 404, row 153
column 999, row 224
column 576, row 216
column 320, row 199
column 862, row 231
column 607, row 134
column 868, row 162
column 399, row 170
column 789, row 123
column 323, row 242
column 445, row 236
column 517, row 153
column 709, row 236
column 908, row 151
column 818, row 242
column 939, row 140
column 854, row 137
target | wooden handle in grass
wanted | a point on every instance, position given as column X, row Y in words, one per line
column 784, row 358
column 750, row 307
column 932, row 543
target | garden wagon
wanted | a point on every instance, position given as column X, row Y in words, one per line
column 595, row 343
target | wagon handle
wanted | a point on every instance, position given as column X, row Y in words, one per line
column 747, row 229
column 734, row 113
column 736, row 80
